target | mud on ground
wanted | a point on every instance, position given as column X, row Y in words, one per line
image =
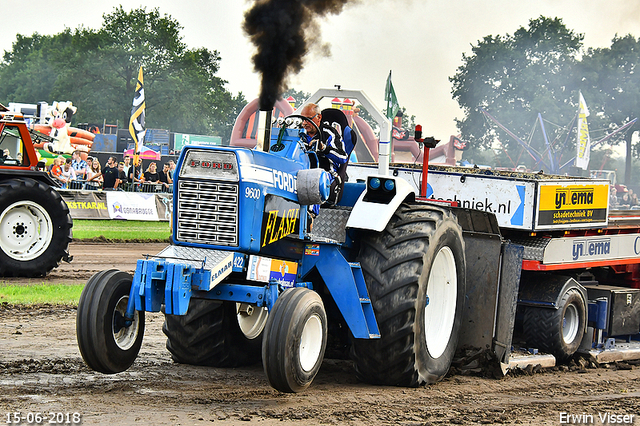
column 41, row 370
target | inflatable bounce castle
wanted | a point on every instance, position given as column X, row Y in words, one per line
column 405, row 147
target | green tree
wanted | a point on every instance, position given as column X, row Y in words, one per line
column 97, row 70
column 299, row 95
column 27, row 72
column 611, row 81
column 515, row 77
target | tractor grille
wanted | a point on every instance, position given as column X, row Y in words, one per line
column 208, row 212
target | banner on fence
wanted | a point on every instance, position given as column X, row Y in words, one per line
column 118, row 205
column 164, row 206
column 136, row 206
column 86, row 205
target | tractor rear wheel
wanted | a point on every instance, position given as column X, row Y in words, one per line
column 35, row 228
column 415, row 275
column 216, row 334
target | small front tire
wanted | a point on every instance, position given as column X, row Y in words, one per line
column 295, row 340
column 107, row 343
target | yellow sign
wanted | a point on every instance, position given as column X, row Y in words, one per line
column 279, row 224
column 573, row 203
column 89, row 205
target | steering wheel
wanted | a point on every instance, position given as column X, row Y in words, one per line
column 318, row 132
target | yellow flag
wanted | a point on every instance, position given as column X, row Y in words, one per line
column 136, row 122
column 583, row 144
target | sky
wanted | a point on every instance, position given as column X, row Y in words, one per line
column 420, row 42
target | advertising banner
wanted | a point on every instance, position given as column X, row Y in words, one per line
column 164, row 206
column 132, row 206
column 86, row 205
column 265, row 270
column 509, row 199
column 592, row 248
column 572, row 204
column 118, row 205
column 182, row 139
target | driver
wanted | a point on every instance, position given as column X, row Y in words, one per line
column 331, row 153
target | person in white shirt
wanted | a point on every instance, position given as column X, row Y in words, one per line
column 68, row 174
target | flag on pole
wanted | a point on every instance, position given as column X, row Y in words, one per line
column 583, row 143
column 136, row 122
column 390, row 97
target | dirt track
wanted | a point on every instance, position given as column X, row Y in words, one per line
column 41, row 371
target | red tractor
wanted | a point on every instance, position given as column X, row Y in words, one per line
column 35, row 224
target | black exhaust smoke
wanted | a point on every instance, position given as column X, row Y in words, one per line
column 283, row 31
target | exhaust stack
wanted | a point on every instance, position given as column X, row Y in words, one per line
column 264, row 130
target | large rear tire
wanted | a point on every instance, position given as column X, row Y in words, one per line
column 415, row 275
column 106, row 342
column 216, row 334
column 35, row 228
column 557, row 331
column 295, row 340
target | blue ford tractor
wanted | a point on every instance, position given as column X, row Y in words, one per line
column 250, row 277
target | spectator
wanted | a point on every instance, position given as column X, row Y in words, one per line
column 172, row 168
column 165, row 178
column 127, row 166
column 67, row 174
column 79, row 165
column 613, row 198
column 56, row 168
column 94, row 175
column 151, row 175
column 110, row 175
column 152, row 178
column 56, row 162
column 122, row 177
column 134, row 176
column 633, row 198
column 625, row 201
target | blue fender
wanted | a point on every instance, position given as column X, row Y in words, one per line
column 345, row 283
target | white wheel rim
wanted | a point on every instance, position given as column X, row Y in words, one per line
column 310, row 342
column 251, row 324
column 26, row 230
column 440, row 311
column 125, row 337
column 570, row 324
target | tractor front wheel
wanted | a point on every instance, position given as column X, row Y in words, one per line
column 107, row 341
column 295, row 340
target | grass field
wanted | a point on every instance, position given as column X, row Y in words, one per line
column 120, row 230
column 111, row 230
column 57, row 294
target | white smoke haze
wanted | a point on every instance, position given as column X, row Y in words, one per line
column 422, row 42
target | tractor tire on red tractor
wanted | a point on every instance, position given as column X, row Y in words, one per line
column 35, row 228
